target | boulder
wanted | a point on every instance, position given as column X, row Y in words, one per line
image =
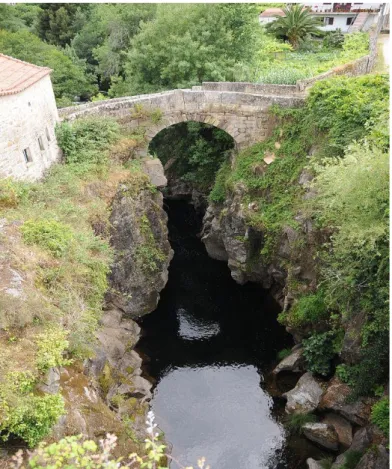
column 361, row 441
column 294, row 362
column 313, row 464
column 322, row 434
column 376, row 458
column 335, row 398
column 342, row 427
column 153, row 167
column 305, row 397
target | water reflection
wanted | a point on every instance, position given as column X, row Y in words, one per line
column 192, row 328
column 220, row 413
column 208, row 344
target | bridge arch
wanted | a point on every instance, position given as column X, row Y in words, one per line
column 242, row 114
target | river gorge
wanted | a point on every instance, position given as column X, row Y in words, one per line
column 209, row 348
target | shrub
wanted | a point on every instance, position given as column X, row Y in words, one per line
column 51, row 346
column 218, row 192
column 50, row 235
column 296, row 421
column 86, row 141
column 31, row 418
column 309, row 309
column 380, row 415
column 74, row 452
column 319, row 349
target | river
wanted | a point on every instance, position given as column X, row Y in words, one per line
column 208, row 348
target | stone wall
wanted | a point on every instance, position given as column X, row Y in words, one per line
column 254, row 88
column 244, row 116
column 24, row 118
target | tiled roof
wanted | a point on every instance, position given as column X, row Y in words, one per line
column 16, row 75
column 270, row 12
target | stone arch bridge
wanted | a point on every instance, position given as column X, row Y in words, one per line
column 241, row 109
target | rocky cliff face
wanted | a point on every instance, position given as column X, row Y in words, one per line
column 108, row 394
column 228, row 237
column 139, row 237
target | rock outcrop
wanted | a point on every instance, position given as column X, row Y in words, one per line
column 295, row 362
column 305, row 397
column 139, row 237
column 335, row 398
column 322, row 434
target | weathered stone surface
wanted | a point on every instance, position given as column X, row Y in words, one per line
column 139, row 237
column 362, row 439
column 351, row 348
column 322, row 434
column 377, row 458
column 342, row 427
column 305, row 397
column 313, row 464
column 153, row 167
column 294, row 362
column 335, row 398
column 51, row 382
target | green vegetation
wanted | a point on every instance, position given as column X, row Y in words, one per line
column 101, row 50
column 195, row 152
column 344, row 125
column 319, row 350
column 60, row 244
column 295, row 25
column 86, row 141
column 148, row 255
column 313, row 58
column 380, row 415
column 31, row 418
column 295, row 422
column 69, row 77
column 309, row 309
column 48, row 234
column 351, row 460
column 75, row 452
column 284, row 353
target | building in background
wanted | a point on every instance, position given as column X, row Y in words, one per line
column 28, row 116
column 348, row 17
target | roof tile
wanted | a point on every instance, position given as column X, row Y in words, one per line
column 16, row 75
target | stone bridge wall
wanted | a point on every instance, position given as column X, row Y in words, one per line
column 244, row 116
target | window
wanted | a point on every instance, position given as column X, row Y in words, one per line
column 47, row 134
column 27, row 155
column 349, row 21
column 41, row 144
column 328, row 20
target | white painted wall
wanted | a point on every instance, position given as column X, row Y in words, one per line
column 339, row 22
column 24, row 117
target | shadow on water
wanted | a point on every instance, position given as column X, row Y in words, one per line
column 207, row 348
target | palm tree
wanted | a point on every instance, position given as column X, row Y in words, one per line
column 295, row 25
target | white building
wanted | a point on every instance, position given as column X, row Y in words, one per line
column 28, row 116
column 348, row 17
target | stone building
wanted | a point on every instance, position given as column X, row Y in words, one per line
column 28, row 116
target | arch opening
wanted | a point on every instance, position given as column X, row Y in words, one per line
column 191, row 152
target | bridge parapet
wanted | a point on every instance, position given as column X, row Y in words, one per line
column 244, row 116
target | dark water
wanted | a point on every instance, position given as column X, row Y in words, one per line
column 208, row 347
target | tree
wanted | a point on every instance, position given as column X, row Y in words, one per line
column 69, row 78
column 295, row 25
column 59, row 22
column 188, row 43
